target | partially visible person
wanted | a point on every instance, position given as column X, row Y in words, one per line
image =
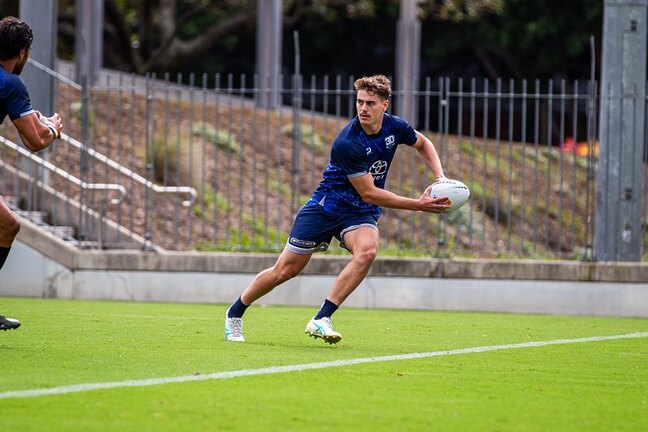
column 346, row 205
column 36, row 131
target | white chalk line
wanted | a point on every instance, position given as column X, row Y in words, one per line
column 78, row 388
column 166, row 317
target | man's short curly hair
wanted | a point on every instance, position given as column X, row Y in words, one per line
column 15, row 36
column 376, row 84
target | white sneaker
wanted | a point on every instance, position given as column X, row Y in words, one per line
column 322, row 329
column 233, row 329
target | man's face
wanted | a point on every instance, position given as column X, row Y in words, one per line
column 371, row 108
column 22, row 61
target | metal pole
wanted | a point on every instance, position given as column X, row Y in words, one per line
column 620, row 194
column 408, row 52
column 88, row 46
column 42, row 18
column 268, row 52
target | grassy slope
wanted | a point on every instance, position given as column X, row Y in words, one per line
column 528, row 200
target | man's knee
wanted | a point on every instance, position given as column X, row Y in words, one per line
column 286, row 272
column 288, row 266
column 365, row 255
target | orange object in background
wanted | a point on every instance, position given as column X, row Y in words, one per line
column 581, row 148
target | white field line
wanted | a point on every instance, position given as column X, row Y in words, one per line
column 78, row 388
column 166, row 317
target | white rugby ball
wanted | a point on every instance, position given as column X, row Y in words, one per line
column 457, row 192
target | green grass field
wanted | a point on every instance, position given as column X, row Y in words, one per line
column 594, row 385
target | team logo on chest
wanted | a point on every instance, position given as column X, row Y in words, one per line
column 390, row 141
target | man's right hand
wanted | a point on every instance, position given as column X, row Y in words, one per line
column 434, row 205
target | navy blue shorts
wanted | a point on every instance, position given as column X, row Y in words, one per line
column 314, row 229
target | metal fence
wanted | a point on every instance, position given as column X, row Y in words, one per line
column 205, row 168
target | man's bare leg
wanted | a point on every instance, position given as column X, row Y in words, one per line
column 363, row 243
column 9, row 227
column 288, row 265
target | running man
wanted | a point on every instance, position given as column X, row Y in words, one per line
column 37, row 132
column 346, row 205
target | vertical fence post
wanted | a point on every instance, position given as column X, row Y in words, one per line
column 296, row 108
column 150, row 161
column 588, row 253
column 84, row 157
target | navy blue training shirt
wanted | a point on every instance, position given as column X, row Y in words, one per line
column 354, row 153
column 14, row 98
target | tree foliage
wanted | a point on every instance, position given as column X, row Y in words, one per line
column 162, row 35
column 492, row 38
column 548, row 39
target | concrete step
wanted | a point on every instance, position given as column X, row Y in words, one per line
column 68, row 233
column 64, row 232
column 90, row 244
column 37, row 216
column 13, row 202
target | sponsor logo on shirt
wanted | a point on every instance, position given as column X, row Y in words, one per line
column 378, row 169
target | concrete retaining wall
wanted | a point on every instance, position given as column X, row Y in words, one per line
column 40, row 265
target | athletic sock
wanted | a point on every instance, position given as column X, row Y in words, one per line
column 4, row 253
column 237, row 309
column 328, row 308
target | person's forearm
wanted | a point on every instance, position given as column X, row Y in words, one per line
column 385, row 198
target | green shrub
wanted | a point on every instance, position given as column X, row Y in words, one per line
column 218, row 137
column 76, row 112
column 175, row 163
column 309, row 138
